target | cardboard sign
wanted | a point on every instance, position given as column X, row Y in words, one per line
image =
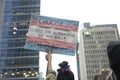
column 52, row 33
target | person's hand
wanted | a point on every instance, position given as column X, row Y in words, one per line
column 48, row 55
column 49, row 51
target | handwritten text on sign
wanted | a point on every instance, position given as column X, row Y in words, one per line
column 53, row 32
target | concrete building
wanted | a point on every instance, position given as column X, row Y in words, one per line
column 93, row 49
column 17, row 63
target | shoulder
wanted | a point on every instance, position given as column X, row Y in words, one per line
column 51, row 75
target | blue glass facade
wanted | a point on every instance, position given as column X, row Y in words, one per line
column 17, row 63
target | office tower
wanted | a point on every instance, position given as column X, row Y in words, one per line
column 17, row 63
column 93, row 49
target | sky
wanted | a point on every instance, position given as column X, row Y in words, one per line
column 93, row 11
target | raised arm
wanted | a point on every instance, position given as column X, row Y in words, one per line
column 49, row 60
column 50, row 73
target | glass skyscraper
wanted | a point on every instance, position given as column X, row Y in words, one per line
column 17, row 63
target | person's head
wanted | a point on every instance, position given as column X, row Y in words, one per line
column 64, row 73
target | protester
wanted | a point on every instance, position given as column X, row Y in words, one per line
column 64, row 72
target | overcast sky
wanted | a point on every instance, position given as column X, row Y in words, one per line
column 93, row 11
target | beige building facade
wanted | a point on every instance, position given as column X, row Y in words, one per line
column 93, row 49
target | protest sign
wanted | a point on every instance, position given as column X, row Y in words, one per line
column 52, row 33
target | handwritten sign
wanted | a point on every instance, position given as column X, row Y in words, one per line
column 53, row 32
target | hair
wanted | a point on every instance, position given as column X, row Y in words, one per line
column 64, row 73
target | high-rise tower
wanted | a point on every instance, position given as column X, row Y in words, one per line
column 17, row 63
column 93, row 49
